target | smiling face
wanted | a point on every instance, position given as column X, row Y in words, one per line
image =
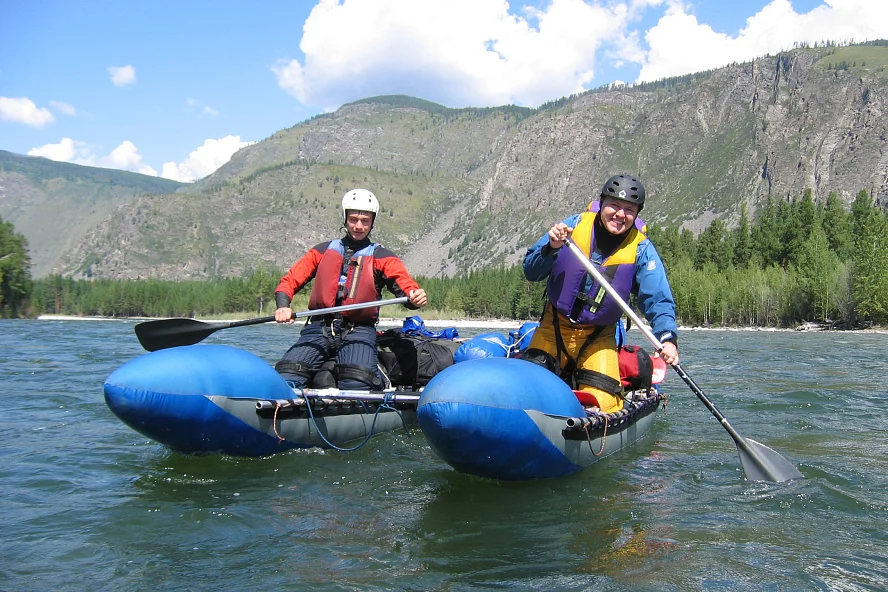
column 618, row 216
column 358, row 224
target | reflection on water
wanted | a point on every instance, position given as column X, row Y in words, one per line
column 90, row 504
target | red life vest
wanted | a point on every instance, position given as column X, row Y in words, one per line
column 339, row 284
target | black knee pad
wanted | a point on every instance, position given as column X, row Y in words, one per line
column 542, row 358
column 326, row 376
column 352, row 376
column 295, row 372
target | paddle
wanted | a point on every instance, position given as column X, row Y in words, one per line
column 155, row 335
column 759, row 462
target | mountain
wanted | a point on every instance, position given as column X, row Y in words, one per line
column 53, row 204
column 465, row 188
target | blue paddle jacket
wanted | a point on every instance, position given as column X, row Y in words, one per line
column 650, row 286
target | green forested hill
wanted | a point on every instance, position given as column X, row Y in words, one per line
column 54, row 203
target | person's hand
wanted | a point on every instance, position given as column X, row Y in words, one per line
column 284, row 315
column 418, row 297
column 669, row 353
column 558, row 234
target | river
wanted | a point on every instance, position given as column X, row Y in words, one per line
column 89, row 504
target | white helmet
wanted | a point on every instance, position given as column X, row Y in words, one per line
column 360, row 199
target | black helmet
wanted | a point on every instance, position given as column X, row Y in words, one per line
column 626, row 188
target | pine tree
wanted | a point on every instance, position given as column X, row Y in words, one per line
column 803, row 220
column 816, row 277
column 741, row 240
column 836, row 224
column 869, row 276
column 713, row 246
column 15, row 271
column 766, row 234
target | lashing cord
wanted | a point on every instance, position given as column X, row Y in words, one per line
column 603, row 437
column 386, row 403
column 604, row 418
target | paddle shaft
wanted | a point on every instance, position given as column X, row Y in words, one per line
column 321, row 311
column 741, row 442
column 155, row 335
column 636, row 320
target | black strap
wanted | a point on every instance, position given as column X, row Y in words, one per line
column 591, row 339
column 571, row 365
column 584, row 300
column 295, row 368
column 355, row 372
column 333, row 337
column 599, row 380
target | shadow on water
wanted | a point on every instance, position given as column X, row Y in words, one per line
column 576, row 532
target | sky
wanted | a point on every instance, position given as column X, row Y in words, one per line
column 173, row 88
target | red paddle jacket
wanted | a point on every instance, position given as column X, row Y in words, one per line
column 347, row 272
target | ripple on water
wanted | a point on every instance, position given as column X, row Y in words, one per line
column 88, row 500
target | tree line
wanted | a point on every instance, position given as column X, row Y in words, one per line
column 797, row 262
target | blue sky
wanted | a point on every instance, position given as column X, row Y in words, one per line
column 173, row 88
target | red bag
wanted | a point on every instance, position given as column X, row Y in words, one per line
column 638, row 370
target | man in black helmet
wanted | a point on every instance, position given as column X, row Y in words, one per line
column 577, row 333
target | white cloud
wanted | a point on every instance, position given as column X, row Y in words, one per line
column 461, row 52
column 122, row 75
column 210, row 111
column 481, row 52
column 23, row 110
column 64, row 151
column 201, row 162
column 679, row 44
column 126, row 156
column 63, row 107
column 204, row 160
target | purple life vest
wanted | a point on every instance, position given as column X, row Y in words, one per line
column 568, row 277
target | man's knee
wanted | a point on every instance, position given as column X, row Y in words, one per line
column 355, row 377
column 607, row 402
column 295, row 372
column 541, row 358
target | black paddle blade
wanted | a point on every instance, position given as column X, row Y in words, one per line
column 155, row 335
column 761, row 463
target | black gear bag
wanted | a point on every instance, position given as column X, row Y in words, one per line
column 412, row 360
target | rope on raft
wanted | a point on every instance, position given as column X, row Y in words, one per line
column 579, row 427
column 603, row 439
column 386, row 403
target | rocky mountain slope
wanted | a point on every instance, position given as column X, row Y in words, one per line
column 462, row 189
column 53, row 204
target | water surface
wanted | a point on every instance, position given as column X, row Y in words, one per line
column 89, row 504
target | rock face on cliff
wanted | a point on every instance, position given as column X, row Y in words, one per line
column 466, row 188
column 53, row 204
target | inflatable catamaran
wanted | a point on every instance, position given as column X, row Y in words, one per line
column 494, row 417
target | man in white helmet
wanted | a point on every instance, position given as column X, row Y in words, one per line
column 347, row 270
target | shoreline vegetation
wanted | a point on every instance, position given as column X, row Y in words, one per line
column 799, row 265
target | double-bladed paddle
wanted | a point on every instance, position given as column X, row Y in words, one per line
column 759, row 462
column 155, row 335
